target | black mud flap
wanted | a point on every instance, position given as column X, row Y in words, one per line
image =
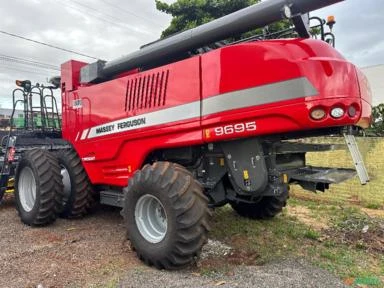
column 246, row 164
column 319, row 178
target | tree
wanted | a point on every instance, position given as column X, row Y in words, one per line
column 377, row 126
column 188, row 14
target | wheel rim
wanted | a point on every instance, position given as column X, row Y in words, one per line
column 27, row 189
column 151, row 218
column 66, row 182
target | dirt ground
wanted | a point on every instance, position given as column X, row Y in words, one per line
column 94, row 252
column 69, row 253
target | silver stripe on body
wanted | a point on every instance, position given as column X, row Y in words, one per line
column 173, row 114
column 279, row 91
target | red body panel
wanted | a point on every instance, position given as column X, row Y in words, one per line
column 257, row 88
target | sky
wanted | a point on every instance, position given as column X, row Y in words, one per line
column 108, row 29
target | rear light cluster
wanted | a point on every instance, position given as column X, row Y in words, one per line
column 336, row 112
column 352, row 111
column 318, row 114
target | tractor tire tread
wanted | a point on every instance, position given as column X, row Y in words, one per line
column 47, row 171
column 81, row 200
column 191, row 213
column 268, row 207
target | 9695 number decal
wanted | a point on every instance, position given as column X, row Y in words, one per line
column 235, row 128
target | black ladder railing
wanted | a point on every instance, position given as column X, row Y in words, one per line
column 40, row 114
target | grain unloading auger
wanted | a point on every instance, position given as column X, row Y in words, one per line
column 255, row 16
column 189, row 125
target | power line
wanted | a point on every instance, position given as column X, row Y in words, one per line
column 96, row 10
column 5, row 68
column 23, row 61
column 46, row 44
column 86, row 12
column 89, row 14
column 32, row 68
column 29, row 60
column 18, row 69
column 27, row 68
column 127, row 11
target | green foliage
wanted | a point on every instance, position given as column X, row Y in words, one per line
column 340, row 247
column 312, row 234
column 188, row 14
column 377, row 126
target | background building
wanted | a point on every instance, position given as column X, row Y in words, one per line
column 375, row 75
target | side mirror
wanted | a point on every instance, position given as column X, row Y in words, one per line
column 55, row 81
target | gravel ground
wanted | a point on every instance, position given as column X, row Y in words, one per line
column 289, row 273
column 93, row 252
column 76, row 253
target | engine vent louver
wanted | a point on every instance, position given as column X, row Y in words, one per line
column 147, row 91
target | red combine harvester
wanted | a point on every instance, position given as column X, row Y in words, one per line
column 190, row 123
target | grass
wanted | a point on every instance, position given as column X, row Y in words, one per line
column 371, row 205
column 325, row 229
column 339, row 247
column 368, row 196
column 312, row 234
column 336, row 245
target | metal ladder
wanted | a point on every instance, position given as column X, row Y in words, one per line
column 49, row 104
column 357, row 158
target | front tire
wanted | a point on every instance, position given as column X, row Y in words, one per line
column 166, row 215
column 38, row 188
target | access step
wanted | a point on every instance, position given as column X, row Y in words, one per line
column 295, row 147
column 112, row 198
column 319, row 178
column 357, row 158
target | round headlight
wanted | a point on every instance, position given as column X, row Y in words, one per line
column 337, row 113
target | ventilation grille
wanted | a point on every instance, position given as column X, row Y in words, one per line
column 147, row 92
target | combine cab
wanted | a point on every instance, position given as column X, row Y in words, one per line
column 37, row 127
column 183, row 125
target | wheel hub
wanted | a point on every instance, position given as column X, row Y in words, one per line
column 66, row 182
column 27, row 189
column 151, row 218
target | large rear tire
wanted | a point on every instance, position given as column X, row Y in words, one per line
column 268, row 207
column 38, row 188
column 78, row 193
column 166, row 215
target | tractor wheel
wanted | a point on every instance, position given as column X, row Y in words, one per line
column 38, row 188
column 266, row 208
column 78, row 193
column 166, row 215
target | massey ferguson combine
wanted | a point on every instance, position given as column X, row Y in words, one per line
column 190, row 122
